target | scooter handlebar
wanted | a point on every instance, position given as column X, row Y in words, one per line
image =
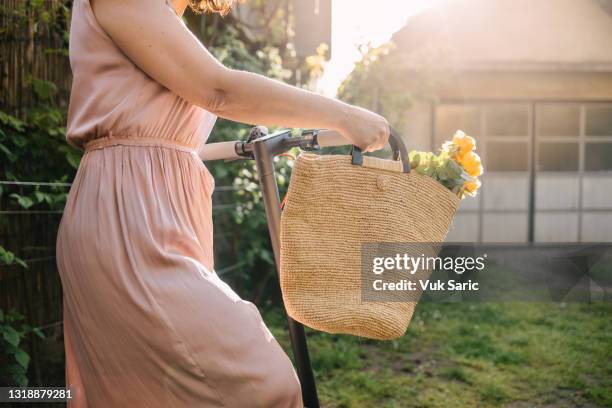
column 229, row 150
column 330, row 138
column 219, row 151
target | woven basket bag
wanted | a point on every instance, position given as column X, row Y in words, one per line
column 333, row 205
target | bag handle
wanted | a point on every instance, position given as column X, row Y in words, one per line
column 400, row 152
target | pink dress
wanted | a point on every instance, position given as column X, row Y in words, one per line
column 147, row 321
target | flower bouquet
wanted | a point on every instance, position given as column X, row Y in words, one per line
column 457, row 166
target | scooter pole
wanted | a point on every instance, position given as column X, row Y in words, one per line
column 263, row 152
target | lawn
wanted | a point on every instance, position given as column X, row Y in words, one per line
column 471, row 355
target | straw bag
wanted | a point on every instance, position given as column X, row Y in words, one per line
column 334, row 205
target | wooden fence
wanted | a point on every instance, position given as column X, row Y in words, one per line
column 31, row 48
column 33, row 45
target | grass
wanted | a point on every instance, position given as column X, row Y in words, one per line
column 471, row 355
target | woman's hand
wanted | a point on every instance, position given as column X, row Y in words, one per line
column 366, row 130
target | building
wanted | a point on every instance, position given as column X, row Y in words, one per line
column 532, row 82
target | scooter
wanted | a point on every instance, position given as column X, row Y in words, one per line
column 263, row 147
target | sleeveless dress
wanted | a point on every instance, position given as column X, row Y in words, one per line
column 147, row 322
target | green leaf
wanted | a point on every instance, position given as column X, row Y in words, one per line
column 21, row 379
column 40, row 196
column 414, row 158
column 11, row 336
column 44, row 89
column 45, row 16
column 21, row 262
column 23, row 201
column 1, row 315
column 38, row 332
column 16, row 316
column 7, row 256
column 73, row 156
column 454, row 170
column 267, row 257
column 10, row 155
column 442, row 173
column 11, row 121
column 22, row 358
column 10, row 175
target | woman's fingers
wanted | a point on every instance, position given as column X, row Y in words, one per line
column 367, row 130
column 381, row 137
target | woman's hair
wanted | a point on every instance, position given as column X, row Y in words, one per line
column 211, row 6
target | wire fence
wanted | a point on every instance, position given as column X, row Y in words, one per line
column 58, row 184
column 17, row 232
column 30, row 261
column 216, row 207
column 33, row 183
column 27, row 212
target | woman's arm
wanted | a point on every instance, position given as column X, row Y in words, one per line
column 155, row 39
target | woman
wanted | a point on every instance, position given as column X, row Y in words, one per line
column 147, row 321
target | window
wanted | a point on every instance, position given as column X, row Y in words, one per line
column 558, row 120
column 599, row 120
column 450, row 118
column 598, row 157
column 507, row 120
column 572, row 144
column 506, row 156
column 558, row 156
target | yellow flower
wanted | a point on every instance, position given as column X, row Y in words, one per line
column 471, row 186
column 471, row 164
column 465, row 143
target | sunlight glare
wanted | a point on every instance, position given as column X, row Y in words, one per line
column 358, row 22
